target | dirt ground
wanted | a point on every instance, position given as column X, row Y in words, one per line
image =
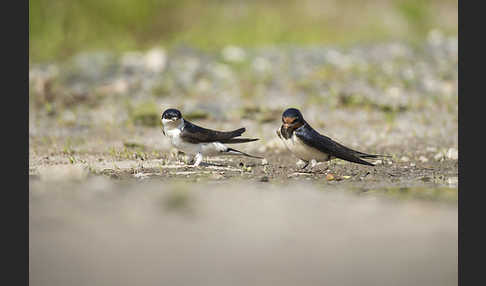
column 148, row 156
column 275, row 168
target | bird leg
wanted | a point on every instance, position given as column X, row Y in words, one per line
column 312, row 163
column 198, row 158
column 306, row 164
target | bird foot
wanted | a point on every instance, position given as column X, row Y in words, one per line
column 302, row 164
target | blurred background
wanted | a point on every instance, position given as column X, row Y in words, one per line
column 120, row 63
column 59, row 29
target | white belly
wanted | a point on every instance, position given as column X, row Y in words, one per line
column 302, row 151
column 187, row 148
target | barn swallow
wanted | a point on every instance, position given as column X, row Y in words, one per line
column 307, row 144
column 198, row 141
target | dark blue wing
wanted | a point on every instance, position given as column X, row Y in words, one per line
column 196, row 134
column 326, row 145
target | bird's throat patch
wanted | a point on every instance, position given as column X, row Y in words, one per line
column 288, row 126
column 286, row 132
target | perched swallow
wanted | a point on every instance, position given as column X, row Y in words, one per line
column 307, row 144
column 198, row 141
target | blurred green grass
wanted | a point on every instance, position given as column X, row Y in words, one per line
column 58, row 29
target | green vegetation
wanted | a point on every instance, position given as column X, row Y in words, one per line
column 58, row 29
column 146, row 113
column 196, row 114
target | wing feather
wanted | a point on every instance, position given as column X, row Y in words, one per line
column 196, row 134
column 326, row 145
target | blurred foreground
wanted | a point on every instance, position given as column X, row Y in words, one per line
column 101, row 232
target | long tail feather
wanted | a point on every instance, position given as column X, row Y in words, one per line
column 364, row 155
column 359, row 161
column 237, row 132
column 367, row 156
column 238, row 140
column 237, row 152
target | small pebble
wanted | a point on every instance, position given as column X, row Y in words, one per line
column 452, row 154
column 431, row 149
column 141, row 175
column 439, row 156
column 404, row 159
column 329, row 177
column 423, row 159
column 452, row 180
column 234, row 54
column 300, row 163
column 296, row 174
column 155, row 60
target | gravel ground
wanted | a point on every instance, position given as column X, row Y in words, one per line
column 389, row 98
column 112, row 203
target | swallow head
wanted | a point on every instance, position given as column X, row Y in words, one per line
column 291, row 120
column 171, row 117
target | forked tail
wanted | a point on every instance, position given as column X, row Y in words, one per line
column 364, row 155
column 237, row 132
column 236, row 152
column 238, row 140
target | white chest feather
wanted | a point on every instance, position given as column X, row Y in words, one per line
column 302, row 151
column 176, row 141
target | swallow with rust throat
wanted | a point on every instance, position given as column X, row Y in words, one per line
column 198, row 141
column 307, row 144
